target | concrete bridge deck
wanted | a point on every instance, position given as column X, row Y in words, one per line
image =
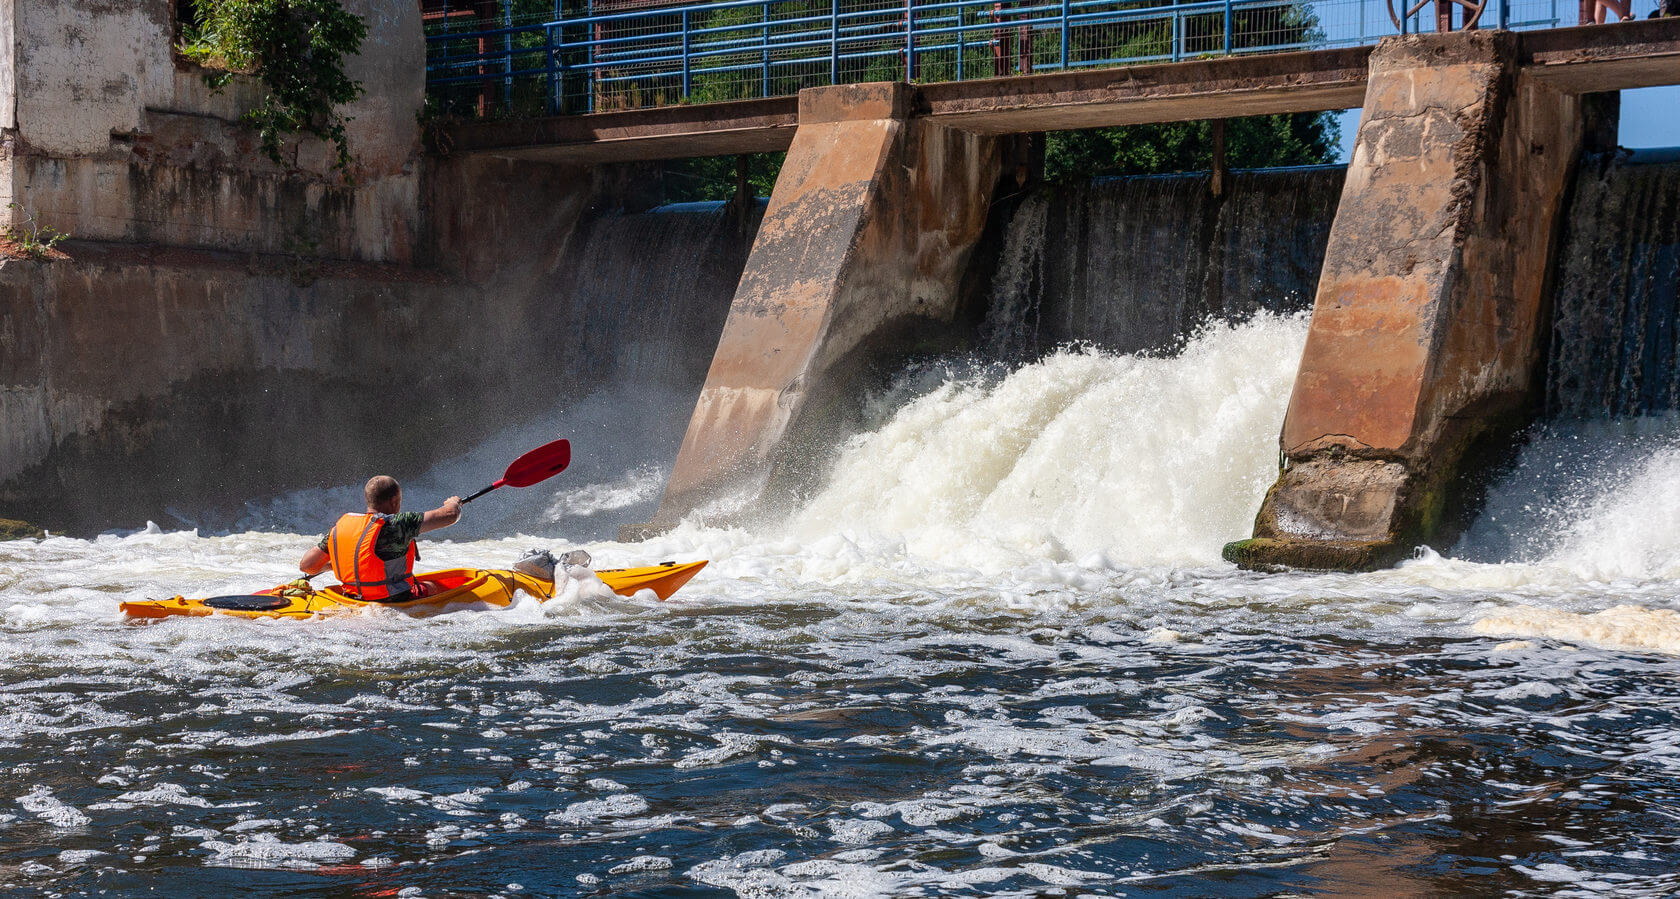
column 1584, row 59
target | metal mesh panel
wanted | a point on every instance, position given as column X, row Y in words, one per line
column 537, row 57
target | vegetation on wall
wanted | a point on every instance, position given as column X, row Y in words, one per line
column 27, row 237
column 297, row 48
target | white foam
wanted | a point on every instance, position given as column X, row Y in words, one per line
column 268, row 850
column 642, row 863
column 1151, row 460
column 41, row 803
column 1618, row 627
column 590, row 811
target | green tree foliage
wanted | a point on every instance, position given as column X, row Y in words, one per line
column 713, row 177
column 1305, row 138
column 297, row 48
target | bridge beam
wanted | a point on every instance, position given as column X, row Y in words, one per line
column 867, row 234
column 1428, row 325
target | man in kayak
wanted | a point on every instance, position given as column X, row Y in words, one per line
column 372, row 553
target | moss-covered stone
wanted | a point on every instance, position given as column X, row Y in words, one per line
column 19, row 530
column 1272, row 554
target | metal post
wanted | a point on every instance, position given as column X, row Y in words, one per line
column 764, row 40
column 507, row 57
column 1230, row 17
column 909, row 40
column 1504, row 15
column 834, row 42
column 962, row 48
column 553, row 71
column 1065, row 4
column 685, row 72
column 1178, row 38
column 591, row 80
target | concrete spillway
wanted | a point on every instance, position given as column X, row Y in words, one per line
column 1616, row 332
column 1137, row 264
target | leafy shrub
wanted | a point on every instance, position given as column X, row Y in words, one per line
column 297, row 48
column 32, row 239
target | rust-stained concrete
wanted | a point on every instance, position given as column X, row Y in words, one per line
column 870, row 225
column 1428, row 321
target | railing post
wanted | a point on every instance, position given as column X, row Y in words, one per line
column 592, row 77
column 507, row 57
column 1178, row 37
column 686, row 82
column 764, row 41
column 1505, row 15
column 834, row 42
column 553, row 71
column 1230, row 19
column 909, row 40
column 962, row 48
column 1065, row 5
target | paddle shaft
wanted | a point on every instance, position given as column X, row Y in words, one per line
column 480, row 493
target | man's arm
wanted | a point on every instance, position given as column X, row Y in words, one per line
column 314, row 562
column 443, row 516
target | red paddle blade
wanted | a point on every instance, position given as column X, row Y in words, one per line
column 539, row 464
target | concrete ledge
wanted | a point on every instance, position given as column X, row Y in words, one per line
column 1160, row 92
column 1590, row 58
column 855, row 102
column 1269, row 554
column 667, row 132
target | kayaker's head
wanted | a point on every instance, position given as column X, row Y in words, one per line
column 384, row 495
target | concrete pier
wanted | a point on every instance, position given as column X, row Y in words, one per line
column 1427, row 329
column 868, row 231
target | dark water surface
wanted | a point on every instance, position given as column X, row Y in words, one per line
column 1190, row 732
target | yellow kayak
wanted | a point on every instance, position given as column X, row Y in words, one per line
column 491, row 586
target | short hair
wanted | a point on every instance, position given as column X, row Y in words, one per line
column 381, row 491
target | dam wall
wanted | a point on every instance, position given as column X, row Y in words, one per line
column 142, row 381
column 222, row 327
column 1137, row 264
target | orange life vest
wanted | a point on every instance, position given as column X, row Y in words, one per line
column 350, row 547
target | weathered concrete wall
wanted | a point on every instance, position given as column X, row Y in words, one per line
column 869, row 228
column 1430, row 313
column 140, row 376
column 108, row 135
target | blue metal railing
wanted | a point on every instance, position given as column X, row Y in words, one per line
column 543, row 57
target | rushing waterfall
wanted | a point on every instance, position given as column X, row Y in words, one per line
column 643, row 296
column 1134, row 264
column 1617, row 316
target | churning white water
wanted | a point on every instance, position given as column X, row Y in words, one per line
column 1082, row 456
column 998, row 653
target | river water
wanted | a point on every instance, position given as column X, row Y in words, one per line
column 997, row 654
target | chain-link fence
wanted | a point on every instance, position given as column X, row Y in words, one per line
column 546, row 57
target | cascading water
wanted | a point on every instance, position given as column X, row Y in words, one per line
column 1136, row 264
column 641, row 332
column 1617, row 302
column 997, row 654
column 638, row 323
column 1081, row 455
